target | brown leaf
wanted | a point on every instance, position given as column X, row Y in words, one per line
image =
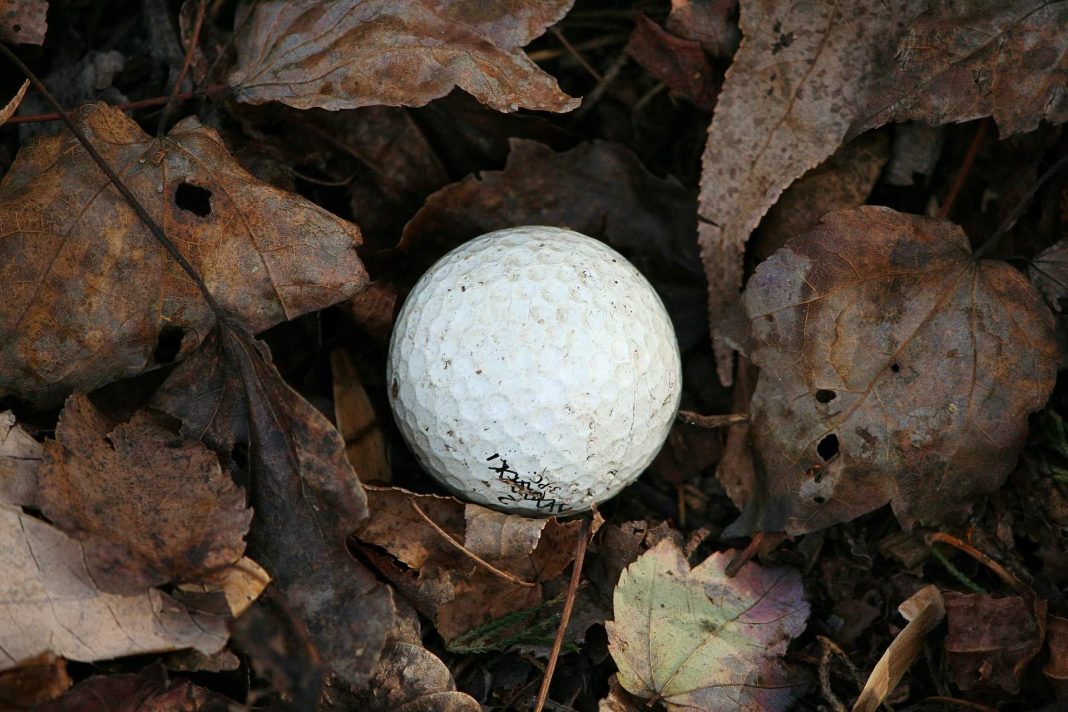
column 1049, row 273
column 373, row 310
column 802, row 72
column 365, row 445
column 341, row 55
column 648, row 219
column 23, row 21
column 679, row 63
column 39, row 679
column 706, row 21
column 1008, row 60
column 89, row 295
column 305, row 495
column 991, row 640
column 20, row 458
column 9, row 109
column 148, row 691
column 452, row 587
column 1056, row 668
column 842, row 181
column 894, row 367
column 148, row 507
column 48, row 602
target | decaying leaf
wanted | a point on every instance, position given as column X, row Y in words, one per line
column 365, row 446
column 679, row 63
column 894, row 367
column 20, row 456
column 649, row 220
column 48, row 602
column 350, row 53
column 1006, row 59
column 88, row 296
column 991, row 640
column 700, row 640
column 452, row 587
column 1049, row 273
column 23, row 21
column 924, row 610
column 148, row 691
column 801, row 74
column 706, row 21
column 1056, row 668
column 305, row 495
column 39, row 679
column 148, row 506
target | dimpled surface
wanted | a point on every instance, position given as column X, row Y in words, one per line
column 534, row 370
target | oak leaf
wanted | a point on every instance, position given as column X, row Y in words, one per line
column 148, row 506
column 802, row 73
column 895, row 367
column 1003, row 59
column 343, row 54
column 87, row 295
column 701, row 640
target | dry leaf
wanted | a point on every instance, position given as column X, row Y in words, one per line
column 991, row 640
column 20, row 457
column 1049, row 273
column 452, row 587
column 706, row 21
column 48, row 602
column 648, row 219
column 924, row 610
column 1003, row 59
column 90, row 296
column 373, row 310
column 148, row 506
column 148, row 691
column 679, row 63
column 305, row 495
column 894, row 367
column 39, row 679
column 23, row 21
column 350, row 53
column 365, row 445
column 802, row 72
column 1056, row 668
column 700, row 640
column 12, row 106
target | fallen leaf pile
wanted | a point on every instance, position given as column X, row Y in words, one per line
column 205, row 506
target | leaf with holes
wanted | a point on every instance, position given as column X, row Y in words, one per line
column 87, row 295
column 351, row 53
column 895, row 367
column 702, row 640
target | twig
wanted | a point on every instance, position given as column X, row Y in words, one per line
column 575, row 53
column 712, row 421
column 128, row 106
column 598, row 92
column 964, row 170
column 449, row 538
column 979, row 556
column 172, row 101
column 565, row 615
column 1007, row 224
column 222, row 316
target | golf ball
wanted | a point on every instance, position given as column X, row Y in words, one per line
column 534, row 370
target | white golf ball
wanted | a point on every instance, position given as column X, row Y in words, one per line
column 534, row 370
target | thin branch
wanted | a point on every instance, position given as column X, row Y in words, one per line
column 202, row 7
column 979, row 556
column 987, row 246
column 712, row 421
column 128, row 106
column 449, row 538
column 964, row 170
column 565, row 615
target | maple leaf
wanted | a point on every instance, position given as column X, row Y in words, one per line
column 87, row 295
column 894, row 367
column 701, row 640
column 149, row 507
column 1008, row 60
column 349, row 53
column 802, row 73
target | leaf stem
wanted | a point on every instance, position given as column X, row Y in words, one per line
column 172, row 101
